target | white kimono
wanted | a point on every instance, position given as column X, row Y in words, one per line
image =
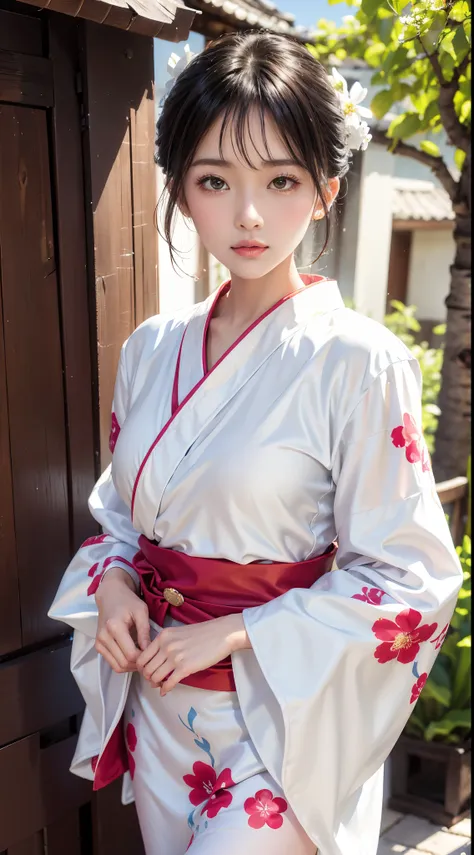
column 305, row 432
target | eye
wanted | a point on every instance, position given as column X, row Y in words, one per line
column 212, row 182
column 285, row 182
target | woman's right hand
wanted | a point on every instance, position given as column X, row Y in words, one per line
column 123, row 621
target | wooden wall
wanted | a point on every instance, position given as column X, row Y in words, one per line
column 77, row 274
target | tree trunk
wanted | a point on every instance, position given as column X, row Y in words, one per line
column 452, row 446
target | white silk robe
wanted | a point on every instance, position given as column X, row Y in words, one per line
column 305, row 432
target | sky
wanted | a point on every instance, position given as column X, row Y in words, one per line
column 308, row 12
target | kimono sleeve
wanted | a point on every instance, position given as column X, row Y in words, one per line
column 117, row 544
column 346, row 659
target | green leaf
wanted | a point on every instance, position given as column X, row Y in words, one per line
column 381, row 103
column 439, row 329
column 452, row 720
column 459, row 11
column 374, row 53
column 465, row 642
column 430, row 148
column 404, row 126
column 467, row 29
column 446, row 44
column 459, row 158
column 370, row 7
column 466, row 111
column 439, row 693
column 460, row 43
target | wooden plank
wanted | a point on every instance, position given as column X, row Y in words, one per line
column 41, row 691
column 20, row 33
column 32, row 846
column 144, row 197
column 40, row 787
column 63, row 837
column 450, row 491
column 115, row 826
column 10, row 623
column 33, row 366
column 116, row 78
column 26, row 79
column 73, row 275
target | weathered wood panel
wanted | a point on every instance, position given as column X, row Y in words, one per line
column 20, row 33
column 118, row 83
column 33, row 366
column 25, row 79
column 78, row 332
column 10, row 622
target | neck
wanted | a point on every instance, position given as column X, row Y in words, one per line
column 247, row 299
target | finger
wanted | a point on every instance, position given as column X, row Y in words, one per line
column 158, row 665
column 119, row 655
column 121, row 635
column 171, row 682
column 142, row 625
column 163, row 672
column 106, row 654
column 147, row 655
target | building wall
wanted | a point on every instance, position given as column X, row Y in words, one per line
column 432, row 253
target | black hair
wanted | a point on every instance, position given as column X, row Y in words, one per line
column 275, row 74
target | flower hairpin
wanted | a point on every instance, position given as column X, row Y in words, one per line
column 357, row 130
column 176, row 64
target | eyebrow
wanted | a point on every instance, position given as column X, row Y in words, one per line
column 217, row 161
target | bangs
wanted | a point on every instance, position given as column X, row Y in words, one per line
column 228, row 82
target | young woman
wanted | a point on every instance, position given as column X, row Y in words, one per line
column 250, row 694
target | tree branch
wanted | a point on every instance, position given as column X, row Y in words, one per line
column 436, row 164
column 455, row 130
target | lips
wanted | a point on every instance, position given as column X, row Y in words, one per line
column 249, row 248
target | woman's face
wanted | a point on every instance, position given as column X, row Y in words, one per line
column 229, row 202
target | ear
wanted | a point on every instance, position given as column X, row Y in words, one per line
column 330, row 194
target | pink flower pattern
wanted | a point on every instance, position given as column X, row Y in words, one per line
column 94, row 584
column 265, row 809
column 209, row 788
column 131, row 740
column 370, row 595
column 438, row 641
column 114, row 433
column 91, row 541
column 410, row 437
column 417, row 688
column 401, row 638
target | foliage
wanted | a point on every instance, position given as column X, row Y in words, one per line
column 403, row 323
column 420, row 53
column 443, row 711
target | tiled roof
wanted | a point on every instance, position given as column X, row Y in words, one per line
column 420, row 200
column 171, row 20
column 254, row 13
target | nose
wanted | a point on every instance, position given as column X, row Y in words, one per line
column 247, row 217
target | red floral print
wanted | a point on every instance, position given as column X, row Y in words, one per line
column 94, row 584
column 425, row 460
column 409, row 436
column 438, row 641
column 370, row 595
column 402, row 637
column 416, row 689
column 91, row 541
column 265, row 809
column 114, row 433
column 93, row 569
column 94, row 761
column 189, row 844
column 131, row 740
column 209, row 788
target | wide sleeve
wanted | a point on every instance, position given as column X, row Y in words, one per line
column 345, row 660
column 115, row 547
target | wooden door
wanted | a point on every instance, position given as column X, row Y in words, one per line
column 48, row 444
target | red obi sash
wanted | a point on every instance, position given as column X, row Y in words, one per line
column 192, row 590
column 197, row 589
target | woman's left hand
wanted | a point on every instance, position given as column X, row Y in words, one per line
column 179, row 651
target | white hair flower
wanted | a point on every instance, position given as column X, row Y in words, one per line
column 358, row 132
